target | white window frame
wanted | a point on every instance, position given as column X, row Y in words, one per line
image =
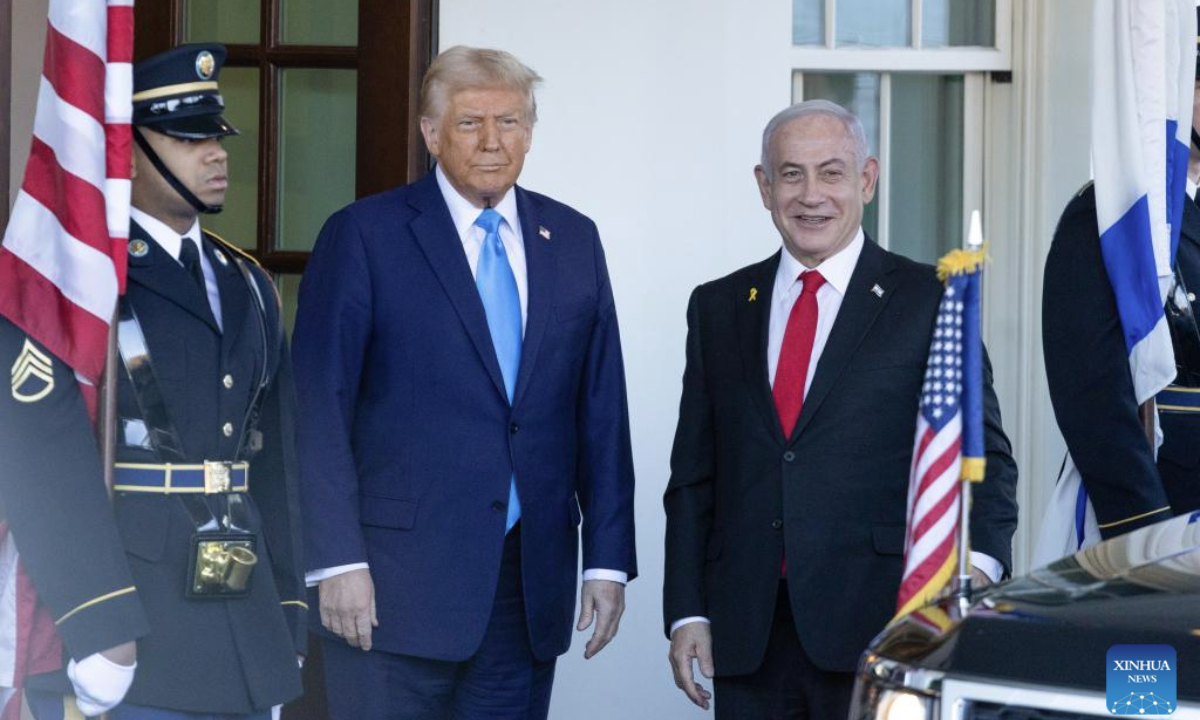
column 974, row 84
column 971, row 62
column 913, row 58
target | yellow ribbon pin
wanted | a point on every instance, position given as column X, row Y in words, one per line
column 753, row 294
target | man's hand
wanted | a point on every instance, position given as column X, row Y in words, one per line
column 605, row 600
column 348, row 607
column 979, row 579
column 692, row 642
column 102, row 679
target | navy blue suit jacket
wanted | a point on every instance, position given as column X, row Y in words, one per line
column 407, row 437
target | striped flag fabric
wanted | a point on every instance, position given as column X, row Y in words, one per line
column 1143, row 79
column 62, row 261
column 949, row 444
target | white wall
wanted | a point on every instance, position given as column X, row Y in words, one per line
column 650, row 122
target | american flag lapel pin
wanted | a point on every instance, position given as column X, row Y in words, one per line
column 878, row 291
column 543, row 232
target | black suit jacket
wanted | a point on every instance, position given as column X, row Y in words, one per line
column 1087, row 369
column 210, row 656
column 833, row 495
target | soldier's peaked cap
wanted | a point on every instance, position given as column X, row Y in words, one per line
column 176, row 93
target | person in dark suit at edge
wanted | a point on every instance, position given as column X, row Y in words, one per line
column 1087, row 369
column 789, row 473
column 460, row 372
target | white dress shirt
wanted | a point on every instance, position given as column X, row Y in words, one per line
column 464, row 215
column 837, row 271
column 172, row 242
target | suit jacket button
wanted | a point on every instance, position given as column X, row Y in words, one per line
column 776, row 523
column 513, row 428
column 227, row 429
column 227, row 381
column 789, row 456
column 499, row 506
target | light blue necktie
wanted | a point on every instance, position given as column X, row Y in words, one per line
column 502, row 305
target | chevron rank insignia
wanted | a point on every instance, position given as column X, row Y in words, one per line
column 32, row 374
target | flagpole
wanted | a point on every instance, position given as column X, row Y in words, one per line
column 962, row 583
column 106, row 425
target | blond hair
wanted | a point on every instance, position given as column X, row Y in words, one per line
column 464, row 68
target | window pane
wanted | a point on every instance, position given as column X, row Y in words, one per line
column 858, row 93
column 953, row 22
column 225, row 21
column 316, row 151
column 876, row 23
column 926, row 217
column 808, row 22
column 319, row 22
column 289, row 289
column 238, row 223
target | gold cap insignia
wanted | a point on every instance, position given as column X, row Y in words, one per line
column 877, row 291
column 138, row 248
column 543, row 232
column 205, row 64
column 32, row 374
column 753, row 295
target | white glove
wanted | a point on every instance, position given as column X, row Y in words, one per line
column 100, row 684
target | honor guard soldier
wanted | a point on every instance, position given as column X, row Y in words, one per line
column 1087, row 367
column 197, row 555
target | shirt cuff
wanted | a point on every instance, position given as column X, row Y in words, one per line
column 686, row 621
column 314, row 577
column 601, row 574
column 988, row 565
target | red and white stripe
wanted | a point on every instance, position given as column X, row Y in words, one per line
column 62, row 261
column 934, row 495
column 63, row 255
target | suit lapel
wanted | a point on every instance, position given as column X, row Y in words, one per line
column 435, row 233
column 161, row 274
column 235, row 300
column 859, row 310
column 540, row 264
column 754, row 321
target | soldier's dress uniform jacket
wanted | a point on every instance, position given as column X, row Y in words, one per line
column 230, row 655
column 1087, row 368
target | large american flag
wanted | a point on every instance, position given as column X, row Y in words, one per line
column 949, row 426
column 62, row 262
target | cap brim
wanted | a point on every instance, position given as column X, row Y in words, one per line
column 196, row 127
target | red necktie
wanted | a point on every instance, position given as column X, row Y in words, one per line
column 792, row 369
column 794, row 356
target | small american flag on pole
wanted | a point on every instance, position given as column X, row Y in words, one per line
column 949, row 440
column 62, row 261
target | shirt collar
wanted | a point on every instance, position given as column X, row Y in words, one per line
column 464, row 214
column 162, row 234
column 836, row 269
column 1191, row 188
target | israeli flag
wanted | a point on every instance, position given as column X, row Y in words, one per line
column 1143, row 78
